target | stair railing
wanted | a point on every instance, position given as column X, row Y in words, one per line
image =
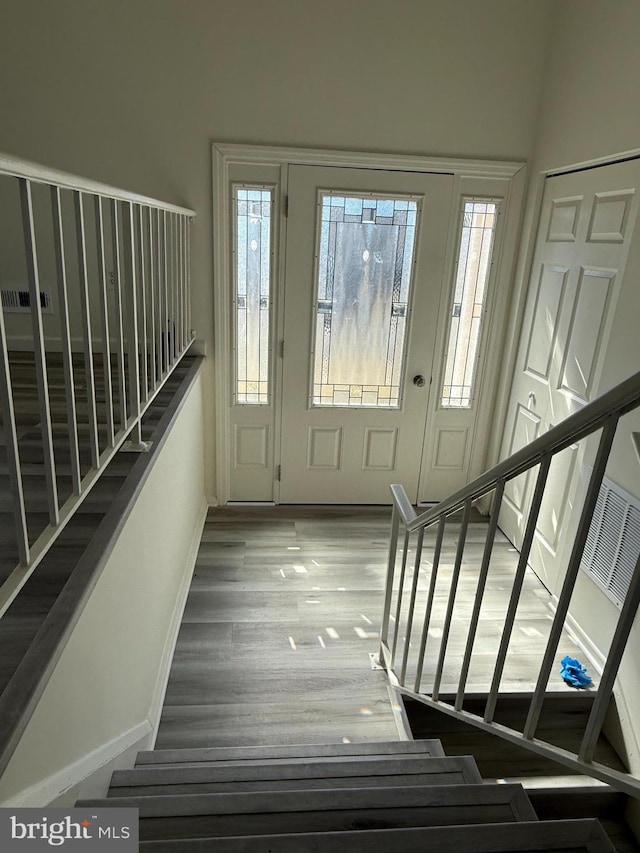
column 401, row 622
column 102, row 277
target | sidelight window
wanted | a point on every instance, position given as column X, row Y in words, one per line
column 477, row 231
column 252, row 250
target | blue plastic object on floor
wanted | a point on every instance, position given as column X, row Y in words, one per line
column 574, row 673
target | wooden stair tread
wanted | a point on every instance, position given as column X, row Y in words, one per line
column 285, row 774
column 338, row 810
column 562, row 836
column 427, row 746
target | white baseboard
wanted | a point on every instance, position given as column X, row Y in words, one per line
column 89, row 775
column 629, row 729
column 596, row 658
column 49, row 789
column 176, row 620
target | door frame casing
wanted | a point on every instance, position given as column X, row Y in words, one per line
column 226, row 156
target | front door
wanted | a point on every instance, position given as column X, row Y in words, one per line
column 364, row 277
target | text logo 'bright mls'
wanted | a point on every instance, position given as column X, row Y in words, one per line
column 55, row 833
column 75, row 829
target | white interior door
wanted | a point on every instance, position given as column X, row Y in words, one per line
column 583, row 240
column 364, row 276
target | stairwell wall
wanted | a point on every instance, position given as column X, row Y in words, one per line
column 106, row 692
column 133, row 93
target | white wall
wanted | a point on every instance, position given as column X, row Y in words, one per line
column 106, row 692
column 592, row 86
column 132, row 92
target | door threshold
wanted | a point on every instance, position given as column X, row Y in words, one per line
column 251, row 503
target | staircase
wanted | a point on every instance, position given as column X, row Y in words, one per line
column 388, row 797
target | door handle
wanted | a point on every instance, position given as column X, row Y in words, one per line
column 419, row 380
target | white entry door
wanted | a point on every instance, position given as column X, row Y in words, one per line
column 585, row 232
column 364, row 277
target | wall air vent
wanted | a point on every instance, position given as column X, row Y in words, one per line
column 19, row 301
column 613, row 543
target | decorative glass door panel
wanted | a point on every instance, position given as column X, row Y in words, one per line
column 363, row 278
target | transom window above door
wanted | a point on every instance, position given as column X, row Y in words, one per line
column 364, row 266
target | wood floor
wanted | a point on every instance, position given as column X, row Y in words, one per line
column 282, row 616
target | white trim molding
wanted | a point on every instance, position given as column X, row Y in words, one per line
column 46, row 790
column 164, row 671
column 229, row 155
column 265, row 155
column 607, row 160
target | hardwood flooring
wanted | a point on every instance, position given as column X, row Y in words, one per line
column 284, row 610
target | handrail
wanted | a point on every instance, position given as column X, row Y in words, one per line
column 404, row 506
column 38, row 174
column 623, row 398
column 602, row 415
column 119, row 273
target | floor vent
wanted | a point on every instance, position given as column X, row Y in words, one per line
column 613, row 543
column 19, row 301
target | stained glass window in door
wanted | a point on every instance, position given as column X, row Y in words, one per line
column 252, row 293
column 477, row 230
column 364, row 271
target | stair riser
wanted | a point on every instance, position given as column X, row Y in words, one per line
column 425, row 747
column 289, row 785
column 431, row 798
column 343, row 821
column 552, row 804
column 560, row 837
